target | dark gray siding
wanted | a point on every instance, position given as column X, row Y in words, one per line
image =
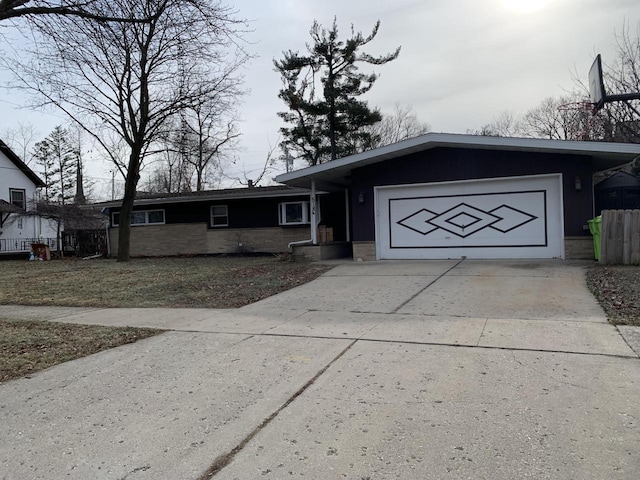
column 449, row 164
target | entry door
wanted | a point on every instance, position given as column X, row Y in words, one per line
column 514, row 217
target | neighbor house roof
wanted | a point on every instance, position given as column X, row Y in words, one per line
column 335, row 174
column 4, row 148
column 210, row 195
column 6, row 207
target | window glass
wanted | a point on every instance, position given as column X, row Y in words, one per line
column 156, row 216
column 116, row 219
column 219, row 216
column 293, row 213
column 18, row 198
column 138, row 218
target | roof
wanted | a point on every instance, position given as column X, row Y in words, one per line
column 31, row 175
column 335, row 175
column 6, row 207
column 210, row 195
column 620, row 179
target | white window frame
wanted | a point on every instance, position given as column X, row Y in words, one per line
column 24, row 197
column 211, row 216
column 282, row 213
column 146, row 218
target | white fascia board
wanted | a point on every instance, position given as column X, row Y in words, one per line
column 451, row 140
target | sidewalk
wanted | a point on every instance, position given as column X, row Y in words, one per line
column 427, row 370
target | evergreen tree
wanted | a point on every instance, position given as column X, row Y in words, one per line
column 321, row 89
column 58, row 160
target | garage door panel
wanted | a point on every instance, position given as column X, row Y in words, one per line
column 497, row 218
column 468, row 220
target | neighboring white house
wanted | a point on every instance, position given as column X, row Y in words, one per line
column 18, row 191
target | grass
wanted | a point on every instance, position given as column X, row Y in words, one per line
column 207, row 282
column 28, row 346
column 212, row 282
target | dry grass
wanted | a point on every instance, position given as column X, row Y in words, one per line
column 28, row 346
column 212, row 282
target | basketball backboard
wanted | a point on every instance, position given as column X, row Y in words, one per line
column 596, row 84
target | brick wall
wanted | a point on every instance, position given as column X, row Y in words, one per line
column 365, row 251
column 159, row 240
column 327, row 251
column 196, row 238
column 273, row 239
column 578, row 248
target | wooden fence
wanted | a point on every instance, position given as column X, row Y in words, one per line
column 620, row 237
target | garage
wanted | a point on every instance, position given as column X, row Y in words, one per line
column 450, row 196
column 516, row 217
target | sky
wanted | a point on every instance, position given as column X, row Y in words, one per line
column 462, row 62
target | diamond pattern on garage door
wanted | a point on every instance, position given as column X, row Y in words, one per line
column 512, row 218
column 464, row 220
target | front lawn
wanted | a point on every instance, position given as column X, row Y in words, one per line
column 211, row 282
column 28, row 346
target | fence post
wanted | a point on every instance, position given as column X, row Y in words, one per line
column 635, row 238
column 626, row 240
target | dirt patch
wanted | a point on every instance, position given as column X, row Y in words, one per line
column 617, row 288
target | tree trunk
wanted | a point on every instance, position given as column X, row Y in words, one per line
column 124, row 228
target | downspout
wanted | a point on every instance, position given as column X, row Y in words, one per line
column 106, row 228
column 313, row 220
column 299, row 242
column 108, row 241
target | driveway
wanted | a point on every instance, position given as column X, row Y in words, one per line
column 412, row 370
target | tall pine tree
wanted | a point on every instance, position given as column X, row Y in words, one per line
column 327, row 119
column 58, row 161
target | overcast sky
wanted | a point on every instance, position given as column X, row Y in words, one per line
column 462, row 61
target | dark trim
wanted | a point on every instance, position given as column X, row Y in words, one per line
column 24, row 196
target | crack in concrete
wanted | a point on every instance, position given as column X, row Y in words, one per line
column 395, row 310
column 225, row 459
column 482, row 332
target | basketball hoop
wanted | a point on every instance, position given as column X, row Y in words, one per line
column 582, row 109
column 592, row 108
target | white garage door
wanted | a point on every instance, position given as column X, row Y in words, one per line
column 514, row 217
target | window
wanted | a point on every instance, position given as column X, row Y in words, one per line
column 219, row 216
column 142, row 217
column 18, row 197
column 294, row 213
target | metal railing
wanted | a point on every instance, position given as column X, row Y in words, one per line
column 24, row 244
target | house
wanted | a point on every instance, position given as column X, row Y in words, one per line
column 453, row 196
column 18, row 191
column 237, row 220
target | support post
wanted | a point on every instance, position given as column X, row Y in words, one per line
column 314, row 214
column 347, row 217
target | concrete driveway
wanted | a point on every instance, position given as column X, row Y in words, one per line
column 411, row 370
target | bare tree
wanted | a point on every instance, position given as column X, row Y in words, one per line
column 622, row 77
column 123, row 81
column 171, row 173
column 561, row 118
column 21, row 139
column 13, row 9
column 402, row 124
